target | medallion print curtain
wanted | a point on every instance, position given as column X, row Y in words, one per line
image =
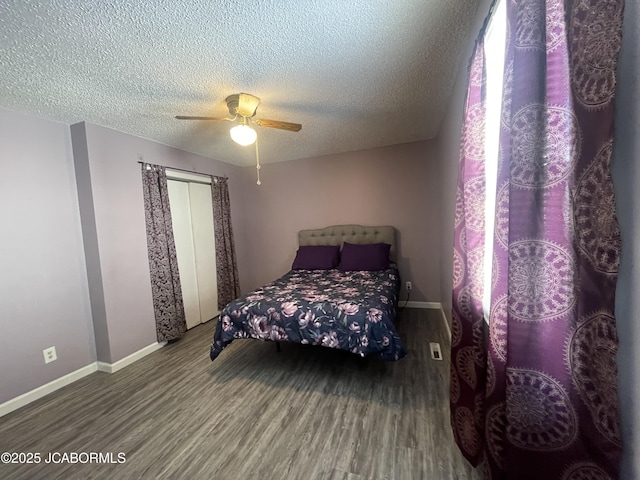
column 534, row 395
column 163, row 264
column 468, row 357
column 226, row 263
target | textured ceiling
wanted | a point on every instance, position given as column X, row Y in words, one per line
column 356, row 74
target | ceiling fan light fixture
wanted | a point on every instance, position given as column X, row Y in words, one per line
column 243, row 135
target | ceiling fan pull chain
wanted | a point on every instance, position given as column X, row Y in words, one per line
column 258, row 164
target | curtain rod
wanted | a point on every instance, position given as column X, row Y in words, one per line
column 184, row 170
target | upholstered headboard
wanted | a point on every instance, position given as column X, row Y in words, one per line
column 337, row 234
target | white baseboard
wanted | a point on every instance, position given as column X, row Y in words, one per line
column 128, row 360
column 446, row 323
column 429, row 305
column 33, row 395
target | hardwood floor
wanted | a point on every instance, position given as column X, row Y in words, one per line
column 304, row 413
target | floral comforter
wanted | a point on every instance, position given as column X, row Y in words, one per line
column 351, row 311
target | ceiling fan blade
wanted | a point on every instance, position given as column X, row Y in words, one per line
column 247, row 104
column 186, row 117
column 292, row 127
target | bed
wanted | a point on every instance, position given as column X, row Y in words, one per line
column 342, row 292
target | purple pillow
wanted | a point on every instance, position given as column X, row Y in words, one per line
column 316, row 257
column 371, row 256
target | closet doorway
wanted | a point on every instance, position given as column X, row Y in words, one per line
column 192, row 218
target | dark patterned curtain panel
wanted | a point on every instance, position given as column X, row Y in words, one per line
column 540, row 401
column 161, row 248
column 226, row 263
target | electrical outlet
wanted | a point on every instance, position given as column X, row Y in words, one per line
column 49, row 354
column 436, row 353
column 409, row 286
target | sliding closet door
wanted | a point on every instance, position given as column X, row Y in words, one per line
column 183, row 234
column 192, row 219
column 205, row 252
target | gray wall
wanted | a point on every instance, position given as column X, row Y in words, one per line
column 115, row 236
column 394, row 185
column 626, row 177
column 44, row 299
column 90, row 241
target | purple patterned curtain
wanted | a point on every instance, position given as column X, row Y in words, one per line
column 226, row 263
column 161, row 249
column 541, row 400
column 468, row 356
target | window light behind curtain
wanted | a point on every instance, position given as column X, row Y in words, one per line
column 494, row 47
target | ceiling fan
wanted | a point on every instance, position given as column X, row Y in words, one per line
column 243, row 106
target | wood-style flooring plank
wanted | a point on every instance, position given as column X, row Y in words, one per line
column 305, row 413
